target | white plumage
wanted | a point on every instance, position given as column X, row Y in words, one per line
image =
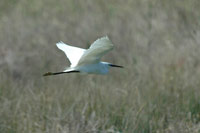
column 73, row 53
column 87, row 61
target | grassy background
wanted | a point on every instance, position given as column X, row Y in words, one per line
column 157, row 41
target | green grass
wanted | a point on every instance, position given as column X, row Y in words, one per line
column 156, row 41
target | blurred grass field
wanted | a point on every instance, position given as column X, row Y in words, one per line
column 157, row 41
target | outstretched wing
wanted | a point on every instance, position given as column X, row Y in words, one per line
column 73, row 53
column 96, row 51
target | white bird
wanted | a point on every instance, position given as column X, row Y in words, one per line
column 87, row 61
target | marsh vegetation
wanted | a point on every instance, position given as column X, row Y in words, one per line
column 157, row 91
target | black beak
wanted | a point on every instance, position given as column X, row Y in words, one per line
column 112, row 65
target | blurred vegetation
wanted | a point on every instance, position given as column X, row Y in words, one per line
column 157, row 42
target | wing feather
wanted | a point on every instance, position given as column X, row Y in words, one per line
column 72, row 53
column 99, row 48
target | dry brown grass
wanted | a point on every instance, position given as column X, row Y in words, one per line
column 157, row 41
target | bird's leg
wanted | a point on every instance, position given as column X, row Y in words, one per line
column 56, row 73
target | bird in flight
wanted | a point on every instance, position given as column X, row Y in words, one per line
column 87, row 60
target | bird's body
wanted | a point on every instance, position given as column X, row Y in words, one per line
column 87, row 61
column 98, row 68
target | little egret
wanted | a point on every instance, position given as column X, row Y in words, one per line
column 87, row 61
